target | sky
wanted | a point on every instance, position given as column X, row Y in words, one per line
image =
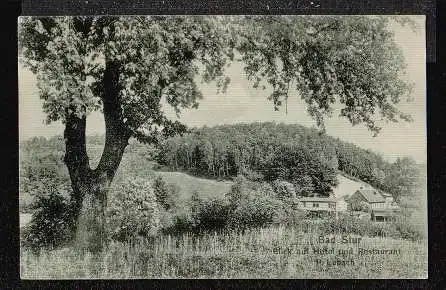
column 243, row 104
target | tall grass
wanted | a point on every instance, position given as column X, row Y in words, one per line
column 230, row 254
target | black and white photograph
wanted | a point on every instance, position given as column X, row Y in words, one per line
column 222, row 146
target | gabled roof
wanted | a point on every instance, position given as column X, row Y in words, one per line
column 344, row 198
column 371, row 195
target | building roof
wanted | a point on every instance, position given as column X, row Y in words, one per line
column 317, row 199
column 371, row 195
column 344, row 198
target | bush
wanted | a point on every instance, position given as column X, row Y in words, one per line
column 133, row 210
column 52, row 222
column 161, row 192
column 166, row 194
column 363, row 227
column 211, row 214
column 41, row 169
column 256, row 210
column 284, row 189
column 243, row 187
column 197, row 215
column 253, row 204
column 177, row 221
column 292, row 213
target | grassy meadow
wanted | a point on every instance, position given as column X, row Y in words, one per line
column 258, row 253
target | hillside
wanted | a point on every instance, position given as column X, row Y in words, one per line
column 188, row 184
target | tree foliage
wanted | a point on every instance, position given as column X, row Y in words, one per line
column 403, row 178
column 350, row 61
column 260, row 151
column 347, row 60
column 156, row 58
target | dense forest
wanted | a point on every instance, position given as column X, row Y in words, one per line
column 268, row 151
column 305, row 157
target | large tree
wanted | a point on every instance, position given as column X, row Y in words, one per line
column 126, row 67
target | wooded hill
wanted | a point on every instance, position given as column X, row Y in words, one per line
column 269, row 151
column 305, row 157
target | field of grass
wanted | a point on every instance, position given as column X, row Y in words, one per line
column 188, row 185
column 259, row 253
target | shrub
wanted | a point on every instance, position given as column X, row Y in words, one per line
column 166, row 194
column 238, row 190
column 211, row 214
column 255, row 210
column 361, row 206
column 356, row 204
column 161, row 192
column 383, row 230
column 197, row 215
column 177, row 221
column 292, row 214
column 243, row 187
column 253, row 204
column 346, row 225
column 52, row 222
column 41, row 169
column 133, row 210
column 284, row 189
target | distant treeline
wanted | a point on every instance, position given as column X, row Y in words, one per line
column 305, row 157
column 265, row 151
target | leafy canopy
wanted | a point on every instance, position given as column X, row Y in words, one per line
column 347, row 61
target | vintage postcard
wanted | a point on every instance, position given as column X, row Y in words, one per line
column 244, row 146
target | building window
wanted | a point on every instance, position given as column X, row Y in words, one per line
column 315, row 205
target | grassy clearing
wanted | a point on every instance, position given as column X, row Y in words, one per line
column 259, row 253
column 188, row 185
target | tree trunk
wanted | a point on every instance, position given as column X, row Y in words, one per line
column 91, row 229
column 90, row 187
